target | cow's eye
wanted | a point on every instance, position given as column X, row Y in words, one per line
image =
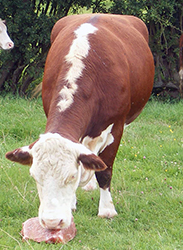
column 71, row 178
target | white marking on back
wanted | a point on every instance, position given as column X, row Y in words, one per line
column 78, row 51
column 99, row 143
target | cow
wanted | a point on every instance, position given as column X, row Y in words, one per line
column 5, row 41
column 181, row 64
column 98, row 76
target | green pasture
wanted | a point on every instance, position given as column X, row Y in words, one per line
column 147, row 185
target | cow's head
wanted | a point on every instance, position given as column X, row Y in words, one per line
column 56, row 166
column 5, row 41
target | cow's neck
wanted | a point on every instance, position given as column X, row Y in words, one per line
column 70, row 127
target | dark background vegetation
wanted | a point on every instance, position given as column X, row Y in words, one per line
column 30, row 22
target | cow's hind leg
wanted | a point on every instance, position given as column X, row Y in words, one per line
column 106, row 206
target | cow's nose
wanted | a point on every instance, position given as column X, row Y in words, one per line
column 10, row 45
column 52, row 224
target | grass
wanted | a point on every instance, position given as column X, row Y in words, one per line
column 146, row 186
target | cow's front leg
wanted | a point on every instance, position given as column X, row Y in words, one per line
column 106, row 206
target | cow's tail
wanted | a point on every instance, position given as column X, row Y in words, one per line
column 181, row 65
column 181, row 51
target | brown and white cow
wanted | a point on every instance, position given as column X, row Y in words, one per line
column 97, row 79
column 5, row 41
column 181, row 65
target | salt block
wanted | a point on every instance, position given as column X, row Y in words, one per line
column 32, row 230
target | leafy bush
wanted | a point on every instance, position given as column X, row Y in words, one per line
column 30, row 22
column 164, row 20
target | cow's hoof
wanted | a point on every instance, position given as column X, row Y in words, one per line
column 107, row 213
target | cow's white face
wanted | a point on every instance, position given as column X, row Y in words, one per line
column 56, row 199
column 5, row 41
column 57, row 173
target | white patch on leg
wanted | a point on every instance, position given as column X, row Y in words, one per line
column 106, row 206
column 78, row 51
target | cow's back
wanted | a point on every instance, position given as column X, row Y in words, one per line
column 107, row 19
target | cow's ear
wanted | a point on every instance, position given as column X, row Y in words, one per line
column 20, row 155
column 92, row 162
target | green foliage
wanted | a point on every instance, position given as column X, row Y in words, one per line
column 164, row 20
column 30, row 22
column 30, row 31
column 146, row 184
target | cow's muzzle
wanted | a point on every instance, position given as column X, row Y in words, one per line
column 52, row 224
